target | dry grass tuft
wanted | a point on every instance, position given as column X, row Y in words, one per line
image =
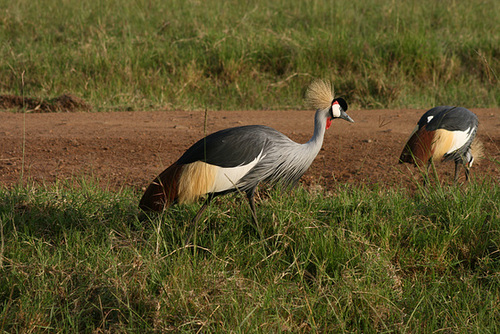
column 65, row 102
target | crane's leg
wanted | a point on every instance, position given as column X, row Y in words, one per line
column 202, row 209
column 194, row 222
column 426, row 176
column 252, row 207
column 457, row 168
column 250, row 196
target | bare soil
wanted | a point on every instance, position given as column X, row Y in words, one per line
column 128, row 149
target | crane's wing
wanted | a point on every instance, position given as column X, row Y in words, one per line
column 231, row 147
column 449, row 119
column 430, row 114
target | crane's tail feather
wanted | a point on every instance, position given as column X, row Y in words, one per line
column 477, row 149
column 320, row 94
column 162, row 192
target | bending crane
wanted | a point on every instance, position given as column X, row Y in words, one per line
column 444, row 133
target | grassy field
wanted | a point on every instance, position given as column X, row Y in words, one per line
column 192, row 55
column 74, row 258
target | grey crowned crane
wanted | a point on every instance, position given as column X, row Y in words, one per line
column 239, row 158
column 444, row 133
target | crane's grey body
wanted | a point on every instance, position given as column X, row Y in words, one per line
column 279, row 159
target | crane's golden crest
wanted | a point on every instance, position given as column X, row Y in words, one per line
column 320, row 94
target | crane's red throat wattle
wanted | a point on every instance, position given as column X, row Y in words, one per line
column 328, row 122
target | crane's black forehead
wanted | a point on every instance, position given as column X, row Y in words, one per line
column 342, row 103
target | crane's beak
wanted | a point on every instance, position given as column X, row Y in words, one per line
column 344, row 115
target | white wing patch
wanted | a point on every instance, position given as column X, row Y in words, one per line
column 459, row 139
column 227, row 178
column 429, row 118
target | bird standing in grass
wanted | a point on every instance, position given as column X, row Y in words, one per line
column 238, row 159
column 444, row 133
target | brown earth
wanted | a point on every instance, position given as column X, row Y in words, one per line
column 128, row 149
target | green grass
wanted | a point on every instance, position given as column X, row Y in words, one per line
column 75, row 258
column 192, row 55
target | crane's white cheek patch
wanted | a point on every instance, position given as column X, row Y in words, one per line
column 336, row 110
column 227, row 178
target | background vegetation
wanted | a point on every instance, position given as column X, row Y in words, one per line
column 74, row 258
column 191, row 54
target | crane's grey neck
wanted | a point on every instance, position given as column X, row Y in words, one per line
column 319, row 129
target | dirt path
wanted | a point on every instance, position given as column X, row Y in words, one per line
column 131, row 148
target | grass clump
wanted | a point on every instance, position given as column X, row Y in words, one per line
column 76, row 258
column 236, row 55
